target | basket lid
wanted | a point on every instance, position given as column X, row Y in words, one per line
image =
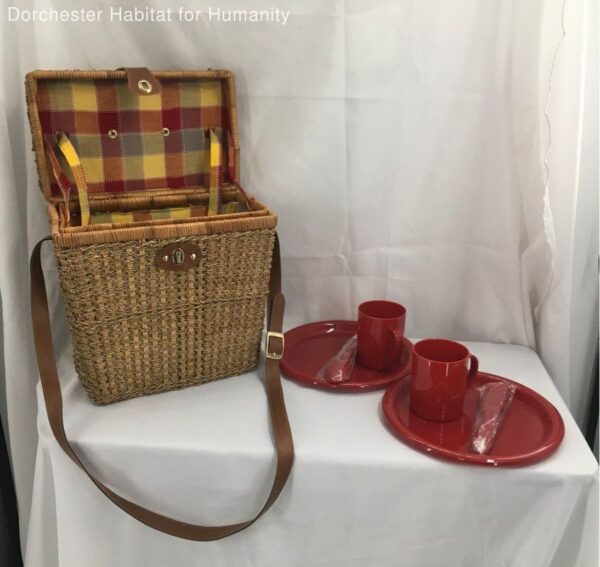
column 134, row 130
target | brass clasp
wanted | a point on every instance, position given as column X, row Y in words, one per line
column 178, row 256
column 272, row 354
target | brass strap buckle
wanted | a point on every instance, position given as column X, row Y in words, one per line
column 268, row 352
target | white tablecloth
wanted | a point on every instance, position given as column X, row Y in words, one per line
column 358, row 497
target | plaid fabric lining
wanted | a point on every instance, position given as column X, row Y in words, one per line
column 160, row 140
column 157, row 214
column 68, row 152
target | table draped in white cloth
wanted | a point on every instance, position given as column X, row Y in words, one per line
column 357, row 496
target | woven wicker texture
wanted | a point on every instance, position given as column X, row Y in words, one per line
column 140, row 330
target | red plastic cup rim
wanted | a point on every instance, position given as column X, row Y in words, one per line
column 382, row 309
column 422, row 345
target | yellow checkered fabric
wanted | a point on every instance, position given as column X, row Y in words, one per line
column 75, row 174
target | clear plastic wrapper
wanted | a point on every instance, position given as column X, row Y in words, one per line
column 339, row 367
column 495, row 399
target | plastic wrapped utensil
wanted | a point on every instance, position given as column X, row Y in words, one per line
column 494, row 402
column 339, row 367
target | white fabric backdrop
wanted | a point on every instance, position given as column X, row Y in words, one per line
column 567, row 335
column 402, row 144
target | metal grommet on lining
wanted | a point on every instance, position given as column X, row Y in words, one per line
column 112, row 133
column 144, row 86
column 165, row 131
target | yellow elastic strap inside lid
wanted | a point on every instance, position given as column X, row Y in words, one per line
column 70, row 155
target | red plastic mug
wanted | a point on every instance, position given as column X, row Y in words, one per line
column 440, row 376
column 380, row 334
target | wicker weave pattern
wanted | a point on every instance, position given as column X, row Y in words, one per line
column 139, row 330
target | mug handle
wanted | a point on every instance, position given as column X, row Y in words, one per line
column 398, row 336
column 474, row 368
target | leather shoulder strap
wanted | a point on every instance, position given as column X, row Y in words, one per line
column 54, row 406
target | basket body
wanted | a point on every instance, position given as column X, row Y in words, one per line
column 138, row 329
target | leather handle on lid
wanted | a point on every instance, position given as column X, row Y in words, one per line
column 141, row 81
column 284, row 446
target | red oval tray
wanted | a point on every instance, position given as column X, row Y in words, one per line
column 531, row 431
column 310, row 346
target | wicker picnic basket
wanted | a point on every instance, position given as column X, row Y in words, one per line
column 165, row 263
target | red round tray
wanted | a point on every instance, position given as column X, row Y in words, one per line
column 531, row 431
column 310, row 346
